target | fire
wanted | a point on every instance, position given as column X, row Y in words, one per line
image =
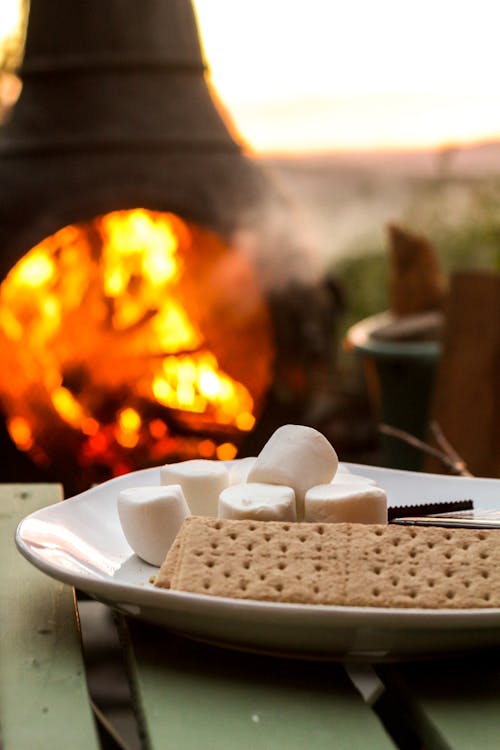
column 20, row 432
column 127, row 340
column 67, row 406
column 34, row 270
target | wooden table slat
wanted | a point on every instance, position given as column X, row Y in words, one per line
column 453, row 704
column 43, row 696
column 192, row 695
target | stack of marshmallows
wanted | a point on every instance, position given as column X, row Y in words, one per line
column 296, row 476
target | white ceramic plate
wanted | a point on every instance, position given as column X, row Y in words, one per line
column 80, row 541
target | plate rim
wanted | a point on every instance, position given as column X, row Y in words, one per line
column 96, row 586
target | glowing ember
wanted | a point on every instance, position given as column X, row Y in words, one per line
column 131, row 339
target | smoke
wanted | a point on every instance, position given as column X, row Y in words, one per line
column 280, row 241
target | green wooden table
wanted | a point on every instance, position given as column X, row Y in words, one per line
column 188, row 696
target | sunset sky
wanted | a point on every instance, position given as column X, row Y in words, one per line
column 324, row 75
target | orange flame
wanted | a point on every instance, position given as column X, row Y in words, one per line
column 112, row 335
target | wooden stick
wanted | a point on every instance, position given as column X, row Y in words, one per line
column 447, row 455
column 448, row 449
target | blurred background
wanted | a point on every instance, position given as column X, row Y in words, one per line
column 369, row 115
column 372, row 112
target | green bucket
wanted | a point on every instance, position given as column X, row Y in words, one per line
column 400, row 377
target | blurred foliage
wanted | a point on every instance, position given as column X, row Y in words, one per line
column 363, row 279
column 461, row 218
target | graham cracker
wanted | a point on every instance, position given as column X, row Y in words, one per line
column 440, row 568
column 164, row 577
column 342, row 564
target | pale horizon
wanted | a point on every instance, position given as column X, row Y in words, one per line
column 345, row 118
column 311, row 78
column 314, row 78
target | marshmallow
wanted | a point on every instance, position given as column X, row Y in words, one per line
column 345, row 503
column 356, row 479
column 150, row 518
column 260, row 502
column 295, row 456
column 201, row 480
column 238, row 471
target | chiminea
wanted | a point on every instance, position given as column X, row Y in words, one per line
column 137, row 246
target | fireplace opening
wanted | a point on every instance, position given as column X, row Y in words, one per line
column 132, row 339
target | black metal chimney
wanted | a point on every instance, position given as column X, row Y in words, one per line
column 116, row 112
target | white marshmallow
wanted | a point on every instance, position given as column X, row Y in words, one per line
column 201, row 480
column 238, row 471
column 260, row 502
column 346, row 503
column 150, row 518
column 356, row 479
column 296, row 456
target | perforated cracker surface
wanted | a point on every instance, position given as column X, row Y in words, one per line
column 342, row 564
